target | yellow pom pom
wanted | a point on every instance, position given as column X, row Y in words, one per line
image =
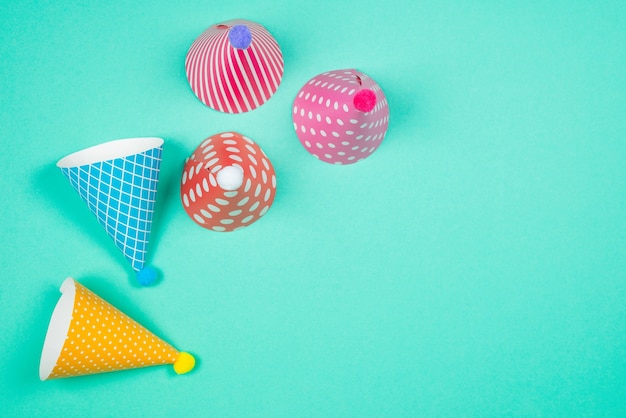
column 184, row 363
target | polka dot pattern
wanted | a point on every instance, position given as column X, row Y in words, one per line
column 328, row 124
column 219, row 209
column 103, row 339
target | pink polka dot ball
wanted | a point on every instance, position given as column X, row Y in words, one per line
column 341, row 116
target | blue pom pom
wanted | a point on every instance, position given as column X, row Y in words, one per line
column 146, row 276
column 240, row 36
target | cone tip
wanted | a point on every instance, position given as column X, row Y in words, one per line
column 184, row 363
column 147, row 276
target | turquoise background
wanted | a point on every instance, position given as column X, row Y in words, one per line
column 474, row 265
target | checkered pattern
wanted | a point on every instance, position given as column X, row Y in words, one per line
column 121, row 193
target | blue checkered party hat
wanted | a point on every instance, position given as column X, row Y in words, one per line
column 118, row 181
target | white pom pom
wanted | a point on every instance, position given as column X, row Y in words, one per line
column 230, row 178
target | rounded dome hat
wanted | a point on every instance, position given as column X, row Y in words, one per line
column 227, row 183
column 341, row 116
column 234, row 66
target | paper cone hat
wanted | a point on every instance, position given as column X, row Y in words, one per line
column 118, row 181
column 234, row 66
column 341, row 116
column 86, row 335
column 227, row 183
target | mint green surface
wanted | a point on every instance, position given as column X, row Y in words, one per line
column 474, row 265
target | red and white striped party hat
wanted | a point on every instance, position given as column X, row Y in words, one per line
column 234, row 66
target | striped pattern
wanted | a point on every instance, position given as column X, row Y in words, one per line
column 234, row 80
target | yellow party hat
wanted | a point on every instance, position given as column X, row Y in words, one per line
column 87, row 335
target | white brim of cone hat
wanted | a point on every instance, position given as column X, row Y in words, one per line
column 57, row 331
column 110, row 150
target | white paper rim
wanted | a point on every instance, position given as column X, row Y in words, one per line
column 57, row 329
column 111, row 150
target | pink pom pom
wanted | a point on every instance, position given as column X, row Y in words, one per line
column 365, row 100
